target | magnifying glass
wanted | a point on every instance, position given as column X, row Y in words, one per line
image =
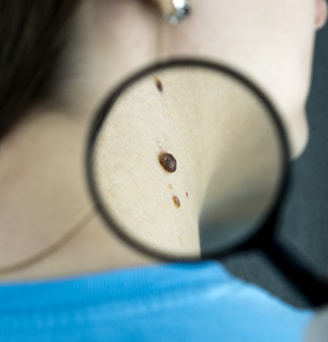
column 188, row 160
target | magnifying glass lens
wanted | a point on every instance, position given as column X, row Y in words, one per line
column 186, row 159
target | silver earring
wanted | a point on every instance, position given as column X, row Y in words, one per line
column 180, row 10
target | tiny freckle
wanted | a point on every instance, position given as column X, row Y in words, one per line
column 176, row 201
column 170, row 186
column 159, row 84
column 168, row 161
column 187, row 194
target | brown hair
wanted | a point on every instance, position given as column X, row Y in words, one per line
column 32, row 35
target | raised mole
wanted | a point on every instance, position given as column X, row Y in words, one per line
column 168, row 161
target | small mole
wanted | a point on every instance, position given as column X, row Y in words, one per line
column 187, row 194
column 176, row 201
column 170, row 186
column 159, row 84
column 168, row 161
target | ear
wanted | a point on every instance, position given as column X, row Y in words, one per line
column 321, row 13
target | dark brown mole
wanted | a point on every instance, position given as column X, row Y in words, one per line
column 168, row 161
column 159, row 84
column 176, row 201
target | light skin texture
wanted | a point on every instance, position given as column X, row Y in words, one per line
column 42, row 184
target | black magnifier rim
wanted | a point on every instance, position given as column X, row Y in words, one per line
column 104, row 111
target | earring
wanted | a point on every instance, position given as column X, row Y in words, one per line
column 174, row 11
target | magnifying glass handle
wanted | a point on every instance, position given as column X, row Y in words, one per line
column 314, row 289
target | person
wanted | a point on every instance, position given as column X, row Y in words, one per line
column 59, row 60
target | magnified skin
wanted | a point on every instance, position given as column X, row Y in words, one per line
column 228, row 153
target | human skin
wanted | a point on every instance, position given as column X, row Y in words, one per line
column 42, row 184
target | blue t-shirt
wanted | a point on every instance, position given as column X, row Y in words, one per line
column 170, row 302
